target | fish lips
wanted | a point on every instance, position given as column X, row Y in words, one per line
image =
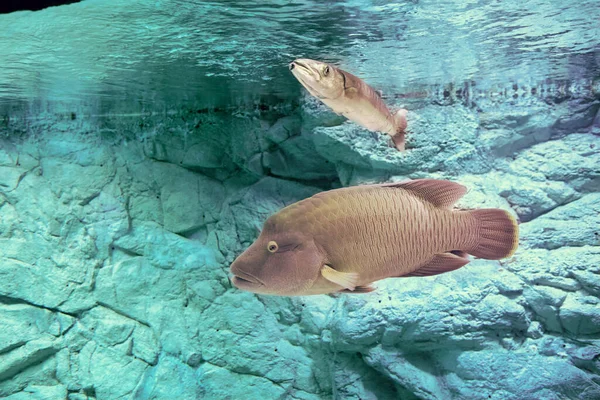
column 242, row 280
column 297, row 63
column 302, row 71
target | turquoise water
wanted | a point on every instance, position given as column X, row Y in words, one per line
column 143, row 145
column 155, row 54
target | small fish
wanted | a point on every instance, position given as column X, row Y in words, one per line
column 342, row 240
column 351, row 97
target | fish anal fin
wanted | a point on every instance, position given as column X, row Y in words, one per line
column 460, row 253
column 440, row 193
column 439, row 264
column 348, row 280
column 359, row 289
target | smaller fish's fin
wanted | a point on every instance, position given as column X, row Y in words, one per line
column 400, row 121
column 440, row 193
column 379, row 93
column 398, row 141
column 350, row 92
column 347, row 280
column 439, row 264
column 400, row 124
column 359, row 289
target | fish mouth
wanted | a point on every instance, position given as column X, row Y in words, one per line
column 295, row 63
column 301, row 71
column 245, row 284
column 242, row 280
column 308, row 77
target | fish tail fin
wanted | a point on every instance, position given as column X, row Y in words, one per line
column 400, row 124
column 496, row 234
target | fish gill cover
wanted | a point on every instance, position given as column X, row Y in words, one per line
column 143, row 144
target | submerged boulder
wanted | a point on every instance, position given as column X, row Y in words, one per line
column 116, row 259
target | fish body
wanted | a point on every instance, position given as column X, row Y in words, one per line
column 350, row 96
column 345, row 239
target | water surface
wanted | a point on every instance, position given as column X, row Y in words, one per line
column 140, row 55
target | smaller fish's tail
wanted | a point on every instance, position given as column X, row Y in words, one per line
column 400, row 124
column 497, row 234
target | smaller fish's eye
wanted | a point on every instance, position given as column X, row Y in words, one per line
column 326, row 71
column 272, row 246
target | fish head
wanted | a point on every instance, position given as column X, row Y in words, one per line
column 284, row 263
column 322, row 80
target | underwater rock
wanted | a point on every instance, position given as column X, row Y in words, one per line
column 574, row 224
column 450, row 319
column 256, row 343
column 438, row 138
column 170, row 378
column 31, row 353
column 526, row 197
column 111, row 373
column 580, row 315
column 216, row 384
column 29, row 364
column 413, row 373
column 188, row 200
column 356, row 380
column 40, row 392
column 596, row 124
column 574, row 159
column 506, row 130
column 180, row 146
column 125, row 274
column 297, row 158
column 505, row 377
column 580, row 116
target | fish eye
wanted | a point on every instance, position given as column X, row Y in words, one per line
column 272, row 246
column 326, row 71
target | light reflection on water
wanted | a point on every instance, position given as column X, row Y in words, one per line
column 153, row 55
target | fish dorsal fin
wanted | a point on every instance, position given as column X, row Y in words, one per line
column 440, row 193
column 347, row 280
column 379, row 93
column 439, row 264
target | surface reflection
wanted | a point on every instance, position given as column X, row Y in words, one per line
column 152, row 55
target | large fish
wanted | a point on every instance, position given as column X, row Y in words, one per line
column 345, row 239
column 351, row 97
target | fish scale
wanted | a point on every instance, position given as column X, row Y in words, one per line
column 365, row 223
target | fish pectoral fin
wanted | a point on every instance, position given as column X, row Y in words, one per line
column 347, row 280
column 359, row 289
column 350, row 92
column 439, row 264
column 440, row 193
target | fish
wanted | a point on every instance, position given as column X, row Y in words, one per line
column 350, row 96
column 345, row 239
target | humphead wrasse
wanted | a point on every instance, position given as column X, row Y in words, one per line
column 342, row 240
column 350, row 96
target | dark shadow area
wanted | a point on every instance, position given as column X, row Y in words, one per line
column 32, row 5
